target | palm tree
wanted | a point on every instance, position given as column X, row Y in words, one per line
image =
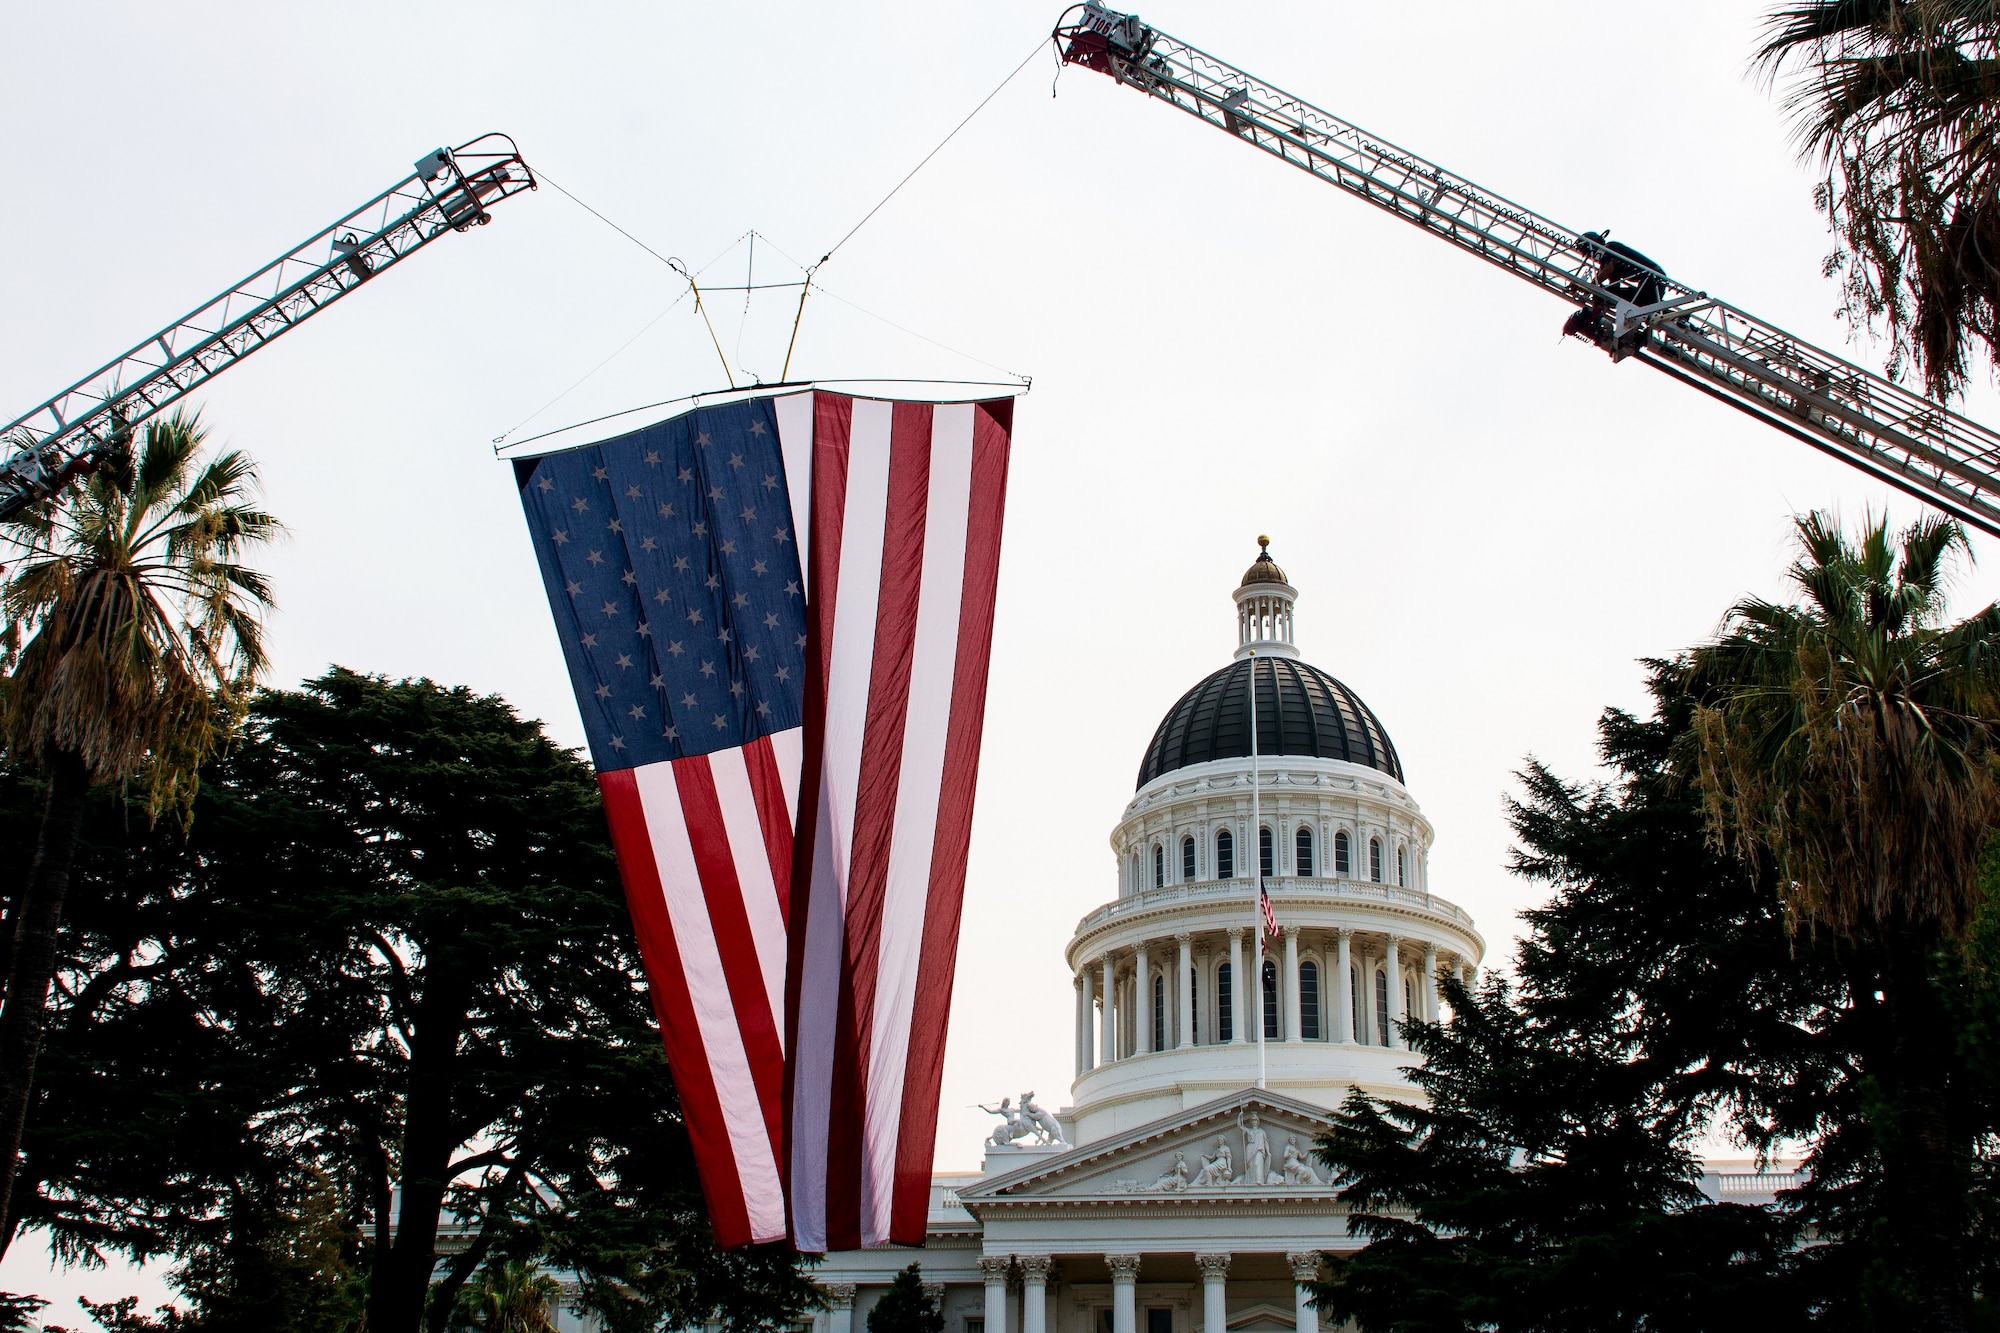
column 1898, row 101
column 1849, row 743
column 132, row 637
column 515, row 1297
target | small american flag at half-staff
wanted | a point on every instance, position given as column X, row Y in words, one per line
column 777, row 615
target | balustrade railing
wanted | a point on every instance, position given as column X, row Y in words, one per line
column 1280, row 887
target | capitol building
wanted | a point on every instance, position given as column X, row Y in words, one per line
column 1177, row 1193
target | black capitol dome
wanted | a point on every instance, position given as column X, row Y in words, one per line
column 1301, row 710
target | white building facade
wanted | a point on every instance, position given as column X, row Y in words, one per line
column 1180, row 1196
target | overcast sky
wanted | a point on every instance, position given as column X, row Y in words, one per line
column 1487, row 525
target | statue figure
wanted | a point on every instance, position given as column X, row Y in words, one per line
column 1176, row 1178
column 1298, row 1168
column 1011, row 1126
column 1256, row 1151
column 1041, row 1122
column 1219, row 1169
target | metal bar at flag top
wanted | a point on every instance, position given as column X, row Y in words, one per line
column 1257, row 870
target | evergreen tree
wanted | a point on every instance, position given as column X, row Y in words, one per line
column 390, row 954
column 1549, row 1179
column 906, row 1307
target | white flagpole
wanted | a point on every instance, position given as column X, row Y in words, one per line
column 1257, row 874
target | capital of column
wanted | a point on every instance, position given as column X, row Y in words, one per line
column 1305, row 1266
column 993, row 1268
column 1035, row 1267
column 1344, row 933
column 1124, row 1267
column 1184, row 938
column 839, row 1295
column 1394, row 941
column 1291, row 932
column 1235, row 933
column 935, row 1292
column 1214, row 1266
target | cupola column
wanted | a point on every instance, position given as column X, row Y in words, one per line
column 1184, row 989
column 1142, row 1003
column 1392, row 964
column 1107, row 1036
column 1083, row 1017
column 1293, row 1032
column 1239, row 1006
column 1343, row 993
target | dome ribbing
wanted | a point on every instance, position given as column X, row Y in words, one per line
column 1300, row 711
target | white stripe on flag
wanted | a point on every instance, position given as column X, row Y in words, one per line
column 752, row 856
column 795, row 444
column 906, row 893
column 708, row 989
column 788, row 748
column 850, row 666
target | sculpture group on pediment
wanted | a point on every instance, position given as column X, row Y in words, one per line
column 1219, row 1166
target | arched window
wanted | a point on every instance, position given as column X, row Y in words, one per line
column 1410, row 1009
column 1160, row 1011
column 1159, row 866
column 1225, row 1004
column 1187, row 860
column 1381, row 1007
column 1340, row 862
column 1225, row 855
column 1309, row 1000
column 1132, row 880
column 1194, row 1005
column 1354, row 1003
column 1265, row 855
column 1302, row 851
column 1270, row 1000
column 1375, row 859
column 1399, row 864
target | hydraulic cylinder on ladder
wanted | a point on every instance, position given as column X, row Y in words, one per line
column 72, row 433
column 1623, row 303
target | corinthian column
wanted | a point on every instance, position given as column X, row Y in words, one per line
column 839, row 1306
column 1343, row 996
column 1293, row 1032
column 1034, row 1291
column 993, row 1272
column 1214, row 1299
column 1305, row 1273
column 1124, row 1291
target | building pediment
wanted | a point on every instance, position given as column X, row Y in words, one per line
column 1248, row 1146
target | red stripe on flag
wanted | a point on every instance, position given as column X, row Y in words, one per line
column 723, row 892
column 925, row 1069
column 768, row 787
column 714, row 1156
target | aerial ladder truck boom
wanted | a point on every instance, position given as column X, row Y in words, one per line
column 1625, row 305
column 74, row 432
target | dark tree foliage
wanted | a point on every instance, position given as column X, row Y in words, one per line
column 1550, row 1182
column 389, row 954
column 906, row 1307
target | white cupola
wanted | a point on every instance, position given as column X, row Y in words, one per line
column 1264, row 608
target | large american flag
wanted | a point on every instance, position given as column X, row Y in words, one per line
column 768, row 597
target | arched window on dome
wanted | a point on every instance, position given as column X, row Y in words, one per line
column 1225, row 856
column 1354, row 1003
column 1270, row 1001
column 1266, row 854
column 1309, row 1000
column 1302, row 851
column 1159, row 866
column 1132, row 877
column 1410, row 1009
column 1341, row 865
column 1187, row 860
column 1225, row 1004
column 1381, row 1007
column 1160, row 1011
column 1194, row 1005
column 1375, row 860
column 1399, row 865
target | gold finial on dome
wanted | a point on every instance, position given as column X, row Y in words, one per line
column 1264, row 569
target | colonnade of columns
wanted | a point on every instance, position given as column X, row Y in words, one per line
column 1115, row 1012
column 1035, row 1270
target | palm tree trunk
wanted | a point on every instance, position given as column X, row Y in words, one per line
column 1924, row 1187
column 32, row 960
